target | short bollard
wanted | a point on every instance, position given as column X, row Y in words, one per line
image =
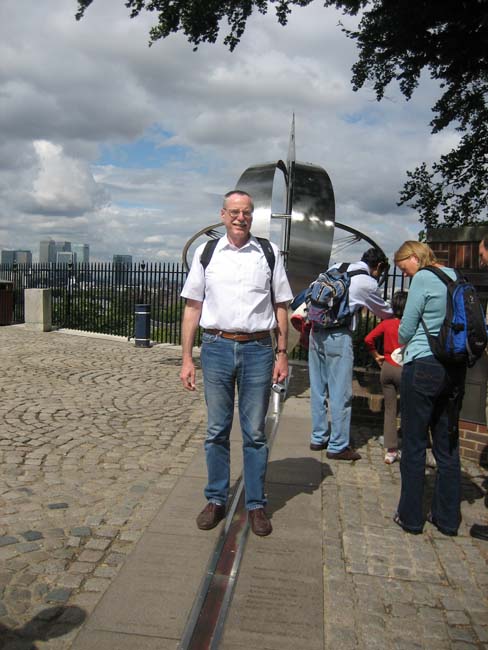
column 142, row 326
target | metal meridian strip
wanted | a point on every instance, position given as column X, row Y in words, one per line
column 205, row 625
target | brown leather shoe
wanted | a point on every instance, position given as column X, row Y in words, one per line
column 314, row 446
column 210, row 516
column 345, row 454
column 260, row 523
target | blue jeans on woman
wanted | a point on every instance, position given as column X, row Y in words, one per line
column 330, row 364
column 425, row 391
column 249, row 366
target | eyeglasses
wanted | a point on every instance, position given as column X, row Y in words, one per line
column 236, row 213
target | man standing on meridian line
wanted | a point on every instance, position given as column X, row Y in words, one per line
column 239, row 299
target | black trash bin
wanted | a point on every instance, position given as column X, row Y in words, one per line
column 142, row 326
column 6, row 302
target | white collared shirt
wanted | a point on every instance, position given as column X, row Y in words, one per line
column 364, row 292
column 235, row 287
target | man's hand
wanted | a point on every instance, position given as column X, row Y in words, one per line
column 187, row 374
column 280, row 370
column 191, row 317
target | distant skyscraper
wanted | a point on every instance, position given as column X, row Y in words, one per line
column 62, row 247
column 20, row 257
column 8, row 257
column 64, row 257
column 81, row 253
column 23, row 257
column 122, row 259
column 49, row 249
column 121, row 266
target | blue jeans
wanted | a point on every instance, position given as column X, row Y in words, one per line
column 425, row 391
column 249, row 365
column 330, row 363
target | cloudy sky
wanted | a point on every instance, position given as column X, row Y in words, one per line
column 106, row 141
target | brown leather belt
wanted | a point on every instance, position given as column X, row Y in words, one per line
column 239, row 336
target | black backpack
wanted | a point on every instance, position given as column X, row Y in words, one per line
column 463, row 334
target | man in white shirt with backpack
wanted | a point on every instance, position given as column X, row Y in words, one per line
column 331, row 359
column 238, row 300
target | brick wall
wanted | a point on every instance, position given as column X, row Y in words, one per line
column 473, row 442
column 460, row 255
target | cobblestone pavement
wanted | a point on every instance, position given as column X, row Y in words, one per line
column 93, row 435
column 407, row 592
column 383, row 588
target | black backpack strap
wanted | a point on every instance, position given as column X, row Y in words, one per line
column 270, row 258
column 268, row 253
column 441, row 274
column 430, row 337
column 351, row 274
column 345, row 265
column 207, row 252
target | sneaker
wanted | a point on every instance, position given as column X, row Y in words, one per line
column 210, row 516
column 391, row 456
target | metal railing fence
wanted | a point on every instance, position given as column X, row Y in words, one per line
column 101, row 297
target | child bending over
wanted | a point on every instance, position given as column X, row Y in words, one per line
column 391, row 371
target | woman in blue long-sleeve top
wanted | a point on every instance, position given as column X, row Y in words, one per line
column 426, row 394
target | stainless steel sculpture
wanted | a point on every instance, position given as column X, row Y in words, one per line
column 308, row 217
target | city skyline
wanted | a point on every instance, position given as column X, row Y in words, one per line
column 49, row 251
column 80, row 254
column 52, row 251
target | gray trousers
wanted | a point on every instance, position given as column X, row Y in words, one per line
column 390, row 377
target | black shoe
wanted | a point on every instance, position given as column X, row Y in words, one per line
column 318, row 446
column 444, row 531
column 345, row 454
column 210, row 516
column 479, row 531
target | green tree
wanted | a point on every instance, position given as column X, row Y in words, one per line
column 396, row 41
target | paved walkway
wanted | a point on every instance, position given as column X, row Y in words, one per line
column 101, row 473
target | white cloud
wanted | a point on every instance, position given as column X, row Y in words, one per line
column 441, row 143
column 72, row 89
column 64, row 186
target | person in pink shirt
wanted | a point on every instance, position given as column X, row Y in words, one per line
column 391, row 371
